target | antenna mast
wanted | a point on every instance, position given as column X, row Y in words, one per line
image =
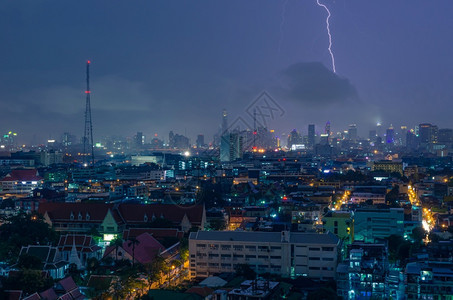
column 88, row 133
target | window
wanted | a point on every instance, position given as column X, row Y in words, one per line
column 314, row 268
column 250, row 256
column 327, row 259
column 276, row 257
column 276, row 248
column 327, row 248
column 201, row 245
column 314, row 249
column 314, row 258
column 225, row 247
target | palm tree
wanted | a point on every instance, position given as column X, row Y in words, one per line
column 132, row 242
column 118, row 242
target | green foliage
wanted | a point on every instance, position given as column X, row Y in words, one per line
column 399, row 248
column 155, row 270
column 418, row 234
column 132, row 242
column 27, row 261
column 29, row 281
column 184, row 249
column 23, row 230
column 92, row 264
column 118, row 242
column 323, row 293
column 7, row 203
column 245, row 271
column 217, row 224
column 392, row 196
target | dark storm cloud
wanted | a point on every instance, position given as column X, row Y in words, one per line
column 312, row 83
column 174, row 65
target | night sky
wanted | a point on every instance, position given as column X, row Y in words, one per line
column 174, row 65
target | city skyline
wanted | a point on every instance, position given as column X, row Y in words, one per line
column 154, row 73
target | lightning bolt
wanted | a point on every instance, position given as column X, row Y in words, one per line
column 328, row 33
column 281, row 26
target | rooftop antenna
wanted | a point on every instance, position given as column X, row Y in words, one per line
column 88, row 133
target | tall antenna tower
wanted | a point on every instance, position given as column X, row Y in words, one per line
column 88, row 149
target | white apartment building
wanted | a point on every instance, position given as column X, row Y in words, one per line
column 286, row 253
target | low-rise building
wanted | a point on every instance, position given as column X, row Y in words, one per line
column 285, row 253
column 341, row 223
column 372, row 223
column 366, row 274
column 20, row 182
column 429, row 280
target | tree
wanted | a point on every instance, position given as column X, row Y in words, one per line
column 184, row 249
column 245, row 271
column 27, row 261
column 29, row 281
column 22, row 230
column 118, row 242
column 92, row 264
column 323, row 293
column 418, row 234
column 132, row 241
column 392, row 196
column 217, row 224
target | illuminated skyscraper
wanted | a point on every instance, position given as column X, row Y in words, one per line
column 390, row 135
column 352, row 132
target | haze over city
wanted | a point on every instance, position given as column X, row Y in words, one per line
column 160, row 66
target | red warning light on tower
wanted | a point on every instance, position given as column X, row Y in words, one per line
column 88, row 61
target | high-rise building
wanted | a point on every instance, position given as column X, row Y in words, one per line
column 68, row 139
column 403, row 136
column 231, row 147
column 224, row 122
column 379, row 129
column 311, row 136
column 372, row 135
column 178, row 141
column 327, row 128
column 200, row 141
column 445, row 136
column 390, row 135
column 427, row 135
column 139, row 140
column 352, row 132
column 412, row 140
column 294, row 138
